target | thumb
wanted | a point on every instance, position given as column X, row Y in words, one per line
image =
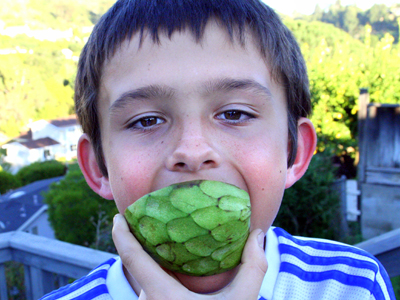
column 247, row 282
column 142, row 295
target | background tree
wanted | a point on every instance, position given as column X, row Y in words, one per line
column 310, row 207
column 77, row 214
column 338, row 66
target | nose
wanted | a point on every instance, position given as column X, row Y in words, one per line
column 193, row 153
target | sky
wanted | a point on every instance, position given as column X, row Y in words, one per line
column 307, row 7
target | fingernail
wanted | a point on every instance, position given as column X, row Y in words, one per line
column 115, row 218
column 260, row 239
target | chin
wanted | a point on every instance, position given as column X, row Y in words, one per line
column 207, row 284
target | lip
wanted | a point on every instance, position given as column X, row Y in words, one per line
column 198, row 179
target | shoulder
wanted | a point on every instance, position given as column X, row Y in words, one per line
column 315, row 261
column 87, row 287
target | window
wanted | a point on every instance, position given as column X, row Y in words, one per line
column 35, row 230
column 73, row 147
column 46, row 153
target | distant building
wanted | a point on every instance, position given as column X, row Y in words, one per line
column 23, row 209
column 45, row 140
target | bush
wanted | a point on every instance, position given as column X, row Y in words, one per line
column 15, row 280
column 77, row 214
column 8, row 182
column 310, row 208
column 40, row 170
column 396, row 286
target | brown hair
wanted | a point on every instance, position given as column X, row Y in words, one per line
column 128, row 17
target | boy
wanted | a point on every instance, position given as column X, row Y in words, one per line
column 171, row 91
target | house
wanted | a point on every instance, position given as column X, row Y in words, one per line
column 45, row 140
column 23, row 209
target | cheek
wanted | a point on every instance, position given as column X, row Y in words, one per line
column 266, row 192
column 130, row 178
column 265, row 175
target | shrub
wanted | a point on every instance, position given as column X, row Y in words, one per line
column 8, row 182
column 310, row 207
column 40, row 170
column 77, row 214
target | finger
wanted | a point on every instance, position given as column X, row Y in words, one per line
column 247, row 282
column 140, row 265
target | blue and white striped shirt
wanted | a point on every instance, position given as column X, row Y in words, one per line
column 322, row 269
column 309, row 269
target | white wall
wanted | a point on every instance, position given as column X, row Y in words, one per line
column 17, row 156
column 38, row 224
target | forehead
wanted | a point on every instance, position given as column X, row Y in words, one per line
column 180, row 59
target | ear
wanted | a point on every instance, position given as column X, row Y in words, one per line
column 306, row 143
column 90, row 169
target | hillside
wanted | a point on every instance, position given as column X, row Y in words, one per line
column 382, row 19
column 60, row 14
column 40, row 42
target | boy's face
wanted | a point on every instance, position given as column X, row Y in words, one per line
column 181, row 110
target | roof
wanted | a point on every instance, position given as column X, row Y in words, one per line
column 64, row 122
column 39, row 143
column 18, row 206
column 32, row 144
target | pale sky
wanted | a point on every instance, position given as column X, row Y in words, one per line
column 307, row 6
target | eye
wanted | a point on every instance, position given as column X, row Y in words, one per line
column 235, row 116
column 146, row 123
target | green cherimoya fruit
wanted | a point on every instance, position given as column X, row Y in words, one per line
column 197, row 227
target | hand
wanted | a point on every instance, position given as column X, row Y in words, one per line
column 157, row 284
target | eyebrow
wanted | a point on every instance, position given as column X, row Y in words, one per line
column 232, row 84
column 208, row 88
column 142, row 93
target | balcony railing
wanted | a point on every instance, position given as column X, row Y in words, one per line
column 386, row 248
column 43, row 257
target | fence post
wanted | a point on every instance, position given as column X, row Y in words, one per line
column 3, row 283
column 363, row 100
column 28, row 283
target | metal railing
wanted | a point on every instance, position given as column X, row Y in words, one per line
column 43, row 257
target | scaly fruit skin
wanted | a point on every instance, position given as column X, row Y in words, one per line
column 197, row 228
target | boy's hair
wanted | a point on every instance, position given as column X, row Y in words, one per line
column 128, row 17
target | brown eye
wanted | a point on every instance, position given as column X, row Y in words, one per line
column 235, row 117
column 232, row 115
column 146, row 122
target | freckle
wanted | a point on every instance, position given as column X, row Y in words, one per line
column 122, row 178
column 162, row 142
column 262, row 189
column 280, row 171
